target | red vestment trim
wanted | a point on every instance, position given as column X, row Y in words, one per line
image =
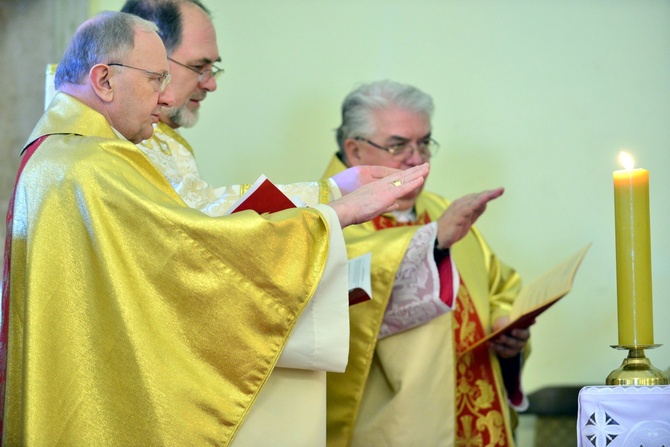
column 480, row 420
column 4, row 333
column 446, row 281
column 385, row 221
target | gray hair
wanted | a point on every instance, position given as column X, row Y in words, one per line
column 359, row 105
column 107, row 37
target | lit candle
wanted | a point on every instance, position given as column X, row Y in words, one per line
column 633, row 254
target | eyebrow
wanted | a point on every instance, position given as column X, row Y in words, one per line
column 403, row 139
column 205, row 61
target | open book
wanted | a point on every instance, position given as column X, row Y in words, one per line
column 265, row 197
column 539, row 295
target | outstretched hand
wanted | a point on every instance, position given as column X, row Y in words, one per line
column 379, row 196
column 457, row 220
column 353, row 178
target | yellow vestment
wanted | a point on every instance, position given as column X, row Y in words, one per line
column 319, row 341
column 134, row 319
column 400, row 391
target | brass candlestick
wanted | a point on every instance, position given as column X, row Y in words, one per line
column 636, row 369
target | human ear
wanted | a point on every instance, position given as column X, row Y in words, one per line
column 100, row 77
column 352, row 152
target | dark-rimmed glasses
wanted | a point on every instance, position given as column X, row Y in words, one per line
column 162, row 78
column 425, row 148
column 203, row 75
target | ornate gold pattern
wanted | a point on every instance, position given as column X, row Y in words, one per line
column 479, row 417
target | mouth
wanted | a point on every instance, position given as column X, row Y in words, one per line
column 196, row 100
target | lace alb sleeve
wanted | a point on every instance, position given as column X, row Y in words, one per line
column 415, row 298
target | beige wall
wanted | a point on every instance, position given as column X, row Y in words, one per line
column 32, row 34
column 537, row 96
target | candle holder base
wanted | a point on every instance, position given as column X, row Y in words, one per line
column 636, row 369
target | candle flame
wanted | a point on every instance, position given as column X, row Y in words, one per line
column 626, row 160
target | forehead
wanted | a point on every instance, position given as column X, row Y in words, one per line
column 198, row 40
column 148, row 52
column 396, row 121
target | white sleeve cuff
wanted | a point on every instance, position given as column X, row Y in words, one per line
column 320, row 338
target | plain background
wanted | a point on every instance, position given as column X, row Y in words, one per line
column 538, row 96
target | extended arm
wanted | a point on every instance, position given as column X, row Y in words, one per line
column 379, row 196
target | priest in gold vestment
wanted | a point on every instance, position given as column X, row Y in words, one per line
column 129, row 318
column 437, row 288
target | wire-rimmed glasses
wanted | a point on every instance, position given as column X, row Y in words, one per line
column 203, row 75
column 426, row 148
column 162, row 78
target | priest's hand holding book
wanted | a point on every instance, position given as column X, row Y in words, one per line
column 510, row 343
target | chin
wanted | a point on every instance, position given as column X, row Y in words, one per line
column 183, row 116
column 145, row 135
column 405, row 204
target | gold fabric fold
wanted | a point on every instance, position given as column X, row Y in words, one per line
column 135, row 320
column 162, row 128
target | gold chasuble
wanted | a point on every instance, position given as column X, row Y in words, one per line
column 319, row 342
column 132, row 318
column 411, row 388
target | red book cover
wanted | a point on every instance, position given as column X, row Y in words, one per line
column 263, row 197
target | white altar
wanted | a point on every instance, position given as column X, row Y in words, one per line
column 624, row 416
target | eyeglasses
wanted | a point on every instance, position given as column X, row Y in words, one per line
column 203, row 75
column 162, row 78
column 426, row 148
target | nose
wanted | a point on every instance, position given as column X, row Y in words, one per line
column 166, row 97
column 414, row 158
column 209, row 85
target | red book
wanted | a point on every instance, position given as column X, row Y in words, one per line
column 263, row 197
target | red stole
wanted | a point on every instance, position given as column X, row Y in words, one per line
column 4, row 332
column 384, row 221
column 480, row 419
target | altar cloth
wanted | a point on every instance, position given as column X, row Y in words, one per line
column 624, row 416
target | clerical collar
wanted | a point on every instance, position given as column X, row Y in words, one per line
column 404, row 216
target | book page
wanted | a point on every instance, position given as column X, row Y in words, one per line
column 360, row 288
column 539, row 295
column 550, row 286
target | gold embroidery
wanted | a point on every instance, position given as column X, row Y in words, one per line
column 479, row 420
